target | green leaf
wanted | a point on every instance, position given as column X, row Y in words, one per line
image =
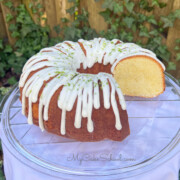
column 71, row 10
column 160, row 29
column 108, row 4
column 118, row 8
column 9, row 4
column 157, row 40
column 123, row 35
column 177, row 41
column 34, row 10
column 129, row 37
column 2, row 71
column 39, row 6
column 12, row 27
column 129, row 6
column 18, row 54
column 154, row 32
column 155, row 3
column 25, row 30
column 162, row 49
column 141, row 18
column 152, row 20
column 139, row 42
column 64, row 20
column 128, row 21
column 144, row 4
column 30, row 5
column 57, row 29
column 41, row 13
column 8, row 49
column 158, row 4
column 15, row 34
column 114, row 27
column 167, row 22
column 143, row 34
column 12, row 80
column 1, row 44
column 70, row 32
column 106, row 14
column 143, row 31
column 9, row 17
column 3, row 91
column 134, row 27
column 178, row 56
column 171, row 66
column 162, row 5
column 177, row 13
column 176, row 48
column 72, row 1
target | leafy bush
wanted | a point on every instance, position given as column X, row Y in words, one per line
column 124, row 23
column 30, row 38
column 128, row 24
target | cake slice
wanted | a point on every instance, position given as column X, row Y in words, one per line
column 140, row 76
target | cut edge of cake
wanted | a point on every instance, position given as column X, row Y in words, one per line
column 140, row 76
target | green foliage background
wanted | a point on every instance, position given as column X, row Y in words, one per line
column 124, row 23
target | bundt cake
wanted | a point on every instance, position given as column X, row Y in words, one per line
column 73, row 89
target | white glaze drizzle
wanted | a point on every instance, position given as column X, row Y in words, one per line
column 62, row 62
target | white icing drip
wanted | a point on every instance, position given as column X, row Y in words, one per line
column 51, row 49
column 115, row 108
column 38, row 84
column 96, row 94
column 52, row 59
column 95, row 48
column 24, row 92
column 78, row 117
column 84, row 109
column 81, row 88
column 51, row 88
column 106, row 91
column 90, row 126
column 34, row 87
column 41, row 125
column 109, row 49
column 63, row 122
column 30, row 120
column 62, row 62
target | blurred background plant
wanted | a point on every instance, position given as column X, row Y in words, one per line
column 31, row 25
column 26, row 26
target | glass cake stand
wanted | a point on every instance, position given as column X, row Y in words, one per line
column 155, row 134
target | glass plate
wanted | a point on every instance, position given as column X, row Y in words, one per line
column 155, row 133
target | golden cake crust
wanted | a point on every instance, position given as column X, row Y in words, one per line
column 103, row 119
column 109, row 120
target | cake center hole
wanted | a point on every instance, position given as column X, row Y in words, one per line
column 95, row 69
